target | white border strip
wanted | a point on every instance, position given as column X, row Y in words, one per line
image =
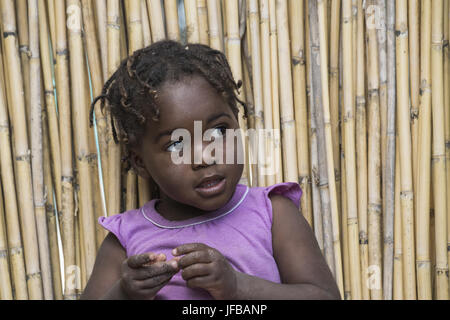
column 192, row 224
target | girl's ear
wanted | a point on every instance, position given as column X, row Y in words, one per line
column 138, row 165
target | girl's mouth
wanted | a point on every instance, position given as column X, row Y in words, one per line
column 211, row 187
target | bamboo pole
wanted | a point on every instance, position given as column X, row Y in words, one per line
column 447, row 112
column 24, row 183
column 113, row 204
column 407, row 195
column 438, row 153
column 50, row 208
column 321, row 11
column 67, row 178
column 374, row 157
column 286, row 94
column 6, row 292
column 146, row 31
column 156, row 20
column 397, row 293
column 316, row 110
column 101, row 23
column 215, row 23
column 389, row 195
column 50, row 105
column 414, row 76
column 350, row 156
column 171, row 10
column 423, row 262
column 275, row 93
column 296, row 19
column 15, row 247
column 192, row 26
column 50, row 6
column 81, row 138
column 36, row 150
column 202, row 14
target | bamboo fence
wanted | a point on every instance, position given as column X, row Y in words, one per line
column 356, row 93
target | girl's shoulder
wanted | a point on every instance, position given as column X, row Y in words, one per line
column 289, row 190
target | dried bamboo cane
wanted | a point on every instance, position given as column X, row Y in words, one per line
column 156, row 20
column 24, row 51
column 423, row 262
column 214, row 22
column 447, row 112
column 233, row 53
column 316, row 111
column 286, row 94
column 81, row 137
column 50, row 209
column 113, row 187
column 361, row 151
column 350, row 156
column 398, row 254
column 275, row 93
column 296, row 19
column 407, row 195
column 146, row 31
column 389, row 219
column 374, row 158
column 123, row 30
column 50, row 6
column 50, row 105
column 67, row 179
column 321, row 11
column 192, row 27
column 36, row 150
column 15, row 246
column 334, row 87
column 202, row 14
column 438, row 160
column 101, row 23
column 414, row 76
column 6, row 292
column 24, row 183
column 171, row 10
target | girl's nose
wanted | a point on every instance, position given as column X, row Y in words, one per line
column 202, row 155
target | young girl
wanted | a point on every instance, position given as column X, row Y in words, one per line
column 206, row 236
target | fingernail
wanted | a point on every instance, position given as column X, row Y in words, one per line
column 173, row 263
column 174, row 251
column 151, row 256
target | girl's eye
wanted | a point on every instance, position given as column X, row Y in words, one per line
column 219, row 131
column 177, row 146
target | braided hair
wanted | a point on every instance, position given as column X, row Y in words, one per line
column 131, row 92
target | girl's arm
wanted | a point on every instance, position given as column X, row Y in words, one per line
column 303, row 269
column 104, row 281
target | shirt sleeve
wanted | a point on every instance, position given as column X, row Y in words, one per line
column 290, row 190
column 113, row 224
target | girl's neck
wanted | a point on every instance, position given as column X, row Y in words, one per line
column 176, row 211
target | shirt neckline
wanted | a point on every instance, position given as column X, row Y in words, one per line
column 149, row 212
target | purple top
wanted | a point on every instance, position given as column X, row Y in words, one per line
column 240, row 230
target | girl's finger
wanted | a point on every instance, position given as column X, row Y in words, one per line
column 194, row 257
column 154, row 282
column 138, row 260
column 196, row 270
column 199, row 282
column 157, row 268
column 159, row 257
column 188, row 247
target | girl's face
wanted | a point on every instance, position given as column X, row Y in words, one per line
column 180, row 104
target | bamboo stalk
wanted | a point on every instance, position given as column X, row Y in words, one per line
column 101, row 23
column 286, row 94
column 15, row 247
column 171, row 10
column 275, row 93
column 156, row 20
column 22, row 157
column 67, row 178
column 407, row 195
column 296, row 18
column 350, row 156
column 374, row 157
column 398, row 254
column 36, row 150
column 214, row 22
column 113, row 204
column 192, row 26
column 447, row 112
column 438, row 160
column 321, row 10
column 52, row 25
column 146, row 31
column 423, row 262
column 81, row 138
column 202, row 14
column 389, row 220
column 6, row 292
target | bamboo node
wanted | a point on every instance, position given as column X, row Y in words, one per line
column 67, row 179
column 407, row 195
column 9, row 34
column 423, row 264
column 36, row 275
column 360, row 101
column 401, row 34
column 374, row 208
column 25, row 49
column 49, row 92
column 25, row 157
column 414, row 113
column 299, row 60
column 15, row 251
column 4, row 127
column 447, row 144
column 62, row 52
column 3, row 253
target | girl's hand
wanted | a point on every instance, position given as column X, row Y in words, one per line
column 205, row 267
column 145, row 274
